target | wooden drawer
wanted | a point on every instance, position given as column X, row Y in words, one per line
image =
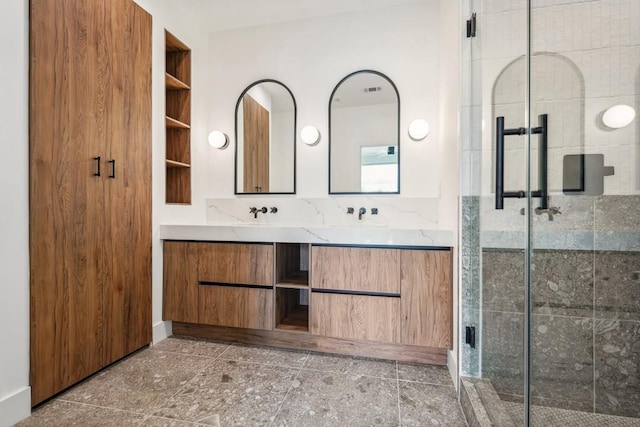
column 239, row 307
column 360, row 317
column 372, row 270
column 237, row 263
column 427, row 307
column 180, row 297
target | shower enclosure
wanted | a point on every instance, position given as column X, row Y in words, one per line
column 550, row 251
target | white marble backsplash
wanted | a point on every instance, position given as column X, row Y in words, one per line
column 393, row 212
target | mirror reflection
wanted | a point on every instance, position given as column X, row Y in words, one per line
column 364, row 139
column 265, row 139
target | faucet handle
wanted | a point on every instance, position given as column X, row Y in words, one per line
column 350, row 210
column 253, row 209
column 274, row 210
column 264, row 209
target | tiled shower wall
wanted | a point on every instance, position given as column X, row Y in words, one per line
column 586, row 315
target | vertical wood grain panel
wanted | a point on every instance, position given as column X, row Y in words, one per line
column 255, row 146
column 68, row 78
column 356, row 317
column 127, row 293
column 180, row 295
column 236, row 307
column 356, row 269
column 427, row 306
column 241, row 263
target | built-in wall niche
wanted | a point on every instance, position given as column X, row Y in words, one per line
column 178, row 120
column 292, row 286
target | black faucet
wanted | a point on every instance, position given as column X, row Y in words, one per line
column 361, row 212
column 255, row 211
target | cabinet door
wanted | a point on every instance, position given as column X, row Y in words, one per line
column 356, row 317
column 240, row 307
column 236, row 263
column 180, row 294
column 66, row 128
column 427, row 298
column 372, row 270
column 127, row 293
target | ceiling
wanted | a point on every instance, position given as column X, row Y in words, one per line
column 221, row 15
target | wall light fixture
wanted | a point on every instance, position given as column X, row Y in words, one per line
column 418, row 129
column 218, row 139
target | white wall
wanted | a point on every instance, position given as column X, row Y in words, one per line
column 178, row 20
column 310, row 57
column 15, row 394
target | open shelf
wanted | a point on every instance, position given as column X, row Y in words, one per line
column 176, row 124
column 175, row 164
column 178, row 121
column 292, row 309
column 172, row 83
column 292, row 265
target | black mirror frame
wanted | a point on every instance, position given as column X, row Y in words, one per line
column 398, row 128
column 295, row 121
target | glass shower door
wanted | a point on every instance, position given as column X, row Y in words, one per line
column 584, row 287
column 551, row 208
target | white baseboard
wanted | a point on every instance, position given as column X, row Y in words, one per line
column 161, row 331
column 453, row 367
column 15, row 407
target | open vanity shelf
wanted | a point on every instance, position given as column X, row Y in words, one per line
column 178, row 121
column 292, row 286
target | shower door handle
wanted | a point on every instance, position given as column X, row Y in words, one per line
column 542, row 193
column 501, row 132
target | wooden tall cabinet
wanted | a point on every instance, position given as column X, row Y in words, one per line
column 90, row 188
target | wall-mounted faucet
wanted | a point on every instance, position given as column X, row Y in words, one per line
column 255, row 211
column 361, row 212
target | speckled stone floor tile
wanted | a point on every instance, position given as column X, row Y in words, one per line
column 231, row 393
column 429, row 374
column 266, row 356
column 139, row 383
column 429, row 405
column 192, row 347
column 61, row 413
column 351, row 365
column 152, row 421
column 335, row 399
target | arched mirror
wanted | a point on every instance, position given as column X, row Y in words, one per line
column 266, row 139
column 364, row 135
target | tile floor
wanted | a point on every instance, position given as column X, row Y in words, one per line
column 182, row 382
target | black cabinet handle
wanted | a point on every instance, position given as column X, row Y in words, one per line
column 113, row 169
column 97, row 172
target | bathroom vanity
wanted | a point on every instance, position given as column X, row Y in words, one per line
column 369, row 292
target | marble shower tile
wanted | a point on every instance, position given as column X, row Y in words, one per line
column 470, row 298
column 60, row 413
column 351, row 365
column 617, row 285
column 617, row 213
column 502, row 351
column 503, row 280
column 562, row 353
column 266, row 356
column 191, row 347
column 562, row 282
column 139, row 383
column 429, row 405
column 428, row 374
column 329, row 399
column 617, row 367
column 230, row 393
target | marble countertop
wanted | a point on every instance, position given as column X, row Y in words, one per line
column 314, row 234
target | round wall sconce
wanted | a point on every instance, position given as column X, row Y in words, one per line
column 218, row 140
column 418, row 129
column 310, row 135
column 618, row 116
